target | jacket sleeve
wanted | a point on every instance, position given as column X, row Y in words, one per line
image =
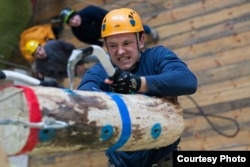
column 93, row 79
column 172, row 78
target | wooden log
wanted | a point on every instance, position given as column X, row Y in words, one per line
column 97, row 121
column 3, row 157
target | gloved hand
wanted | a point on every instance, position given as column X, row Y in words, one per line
column 50, row 83
column 125, row 82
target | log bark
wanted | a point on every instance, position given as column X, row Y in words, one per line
column 101, row 121
column 3, row 158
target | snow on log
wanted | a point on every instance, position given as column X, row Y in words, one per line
column 96, row 121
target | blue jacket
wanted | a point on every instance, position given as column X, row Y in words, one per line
column 166, row 75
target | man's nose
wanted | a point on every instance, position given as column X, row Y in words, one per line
column 120, row 50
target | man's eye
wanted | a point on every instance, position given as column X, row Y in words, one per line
column 127, row 43
column 111, row 46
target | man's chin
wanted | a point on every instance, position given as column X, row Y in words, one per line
column 126, row 68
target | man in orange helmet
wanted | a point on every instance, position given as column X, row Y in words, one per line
column 155, row 71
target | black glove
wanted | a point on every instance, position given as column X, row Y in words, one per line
column 125, row 82
column 50, row 83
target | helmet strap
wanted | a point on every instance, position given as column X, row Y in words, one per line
column 138, row 41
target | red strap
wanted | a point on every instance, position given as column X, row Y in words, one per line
column 34, row 116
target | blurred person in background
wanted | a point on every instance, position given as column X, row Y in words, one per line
column 86, row 24
column 51, row 59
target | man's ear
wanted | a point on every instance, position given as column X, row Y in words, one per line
column 142, row 41
column 78, row 69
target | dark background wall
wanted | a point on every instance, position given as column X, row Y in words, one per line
column 15, row 17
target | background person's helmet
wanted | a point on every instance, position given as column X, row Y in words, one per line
column 31, row 46
column 66, row 14
column 123, row 20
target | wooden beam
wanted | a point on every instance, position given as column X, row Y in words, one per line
column 219, row 59
column 214, row 46
column 223, row 73
column 199, row 22
column 202, row 35
column 224, row 125
column 217, row 142
column 74, row 159
column 228, row 85
column 184, row 11
column 208, row 99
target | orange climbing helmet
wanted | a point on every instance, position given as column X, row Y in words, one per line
column 123, row 20
column 31, row 46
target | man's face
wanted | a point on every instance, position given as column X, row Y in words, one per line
column 75, row 21
column 123, row 50
column 40, row 53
